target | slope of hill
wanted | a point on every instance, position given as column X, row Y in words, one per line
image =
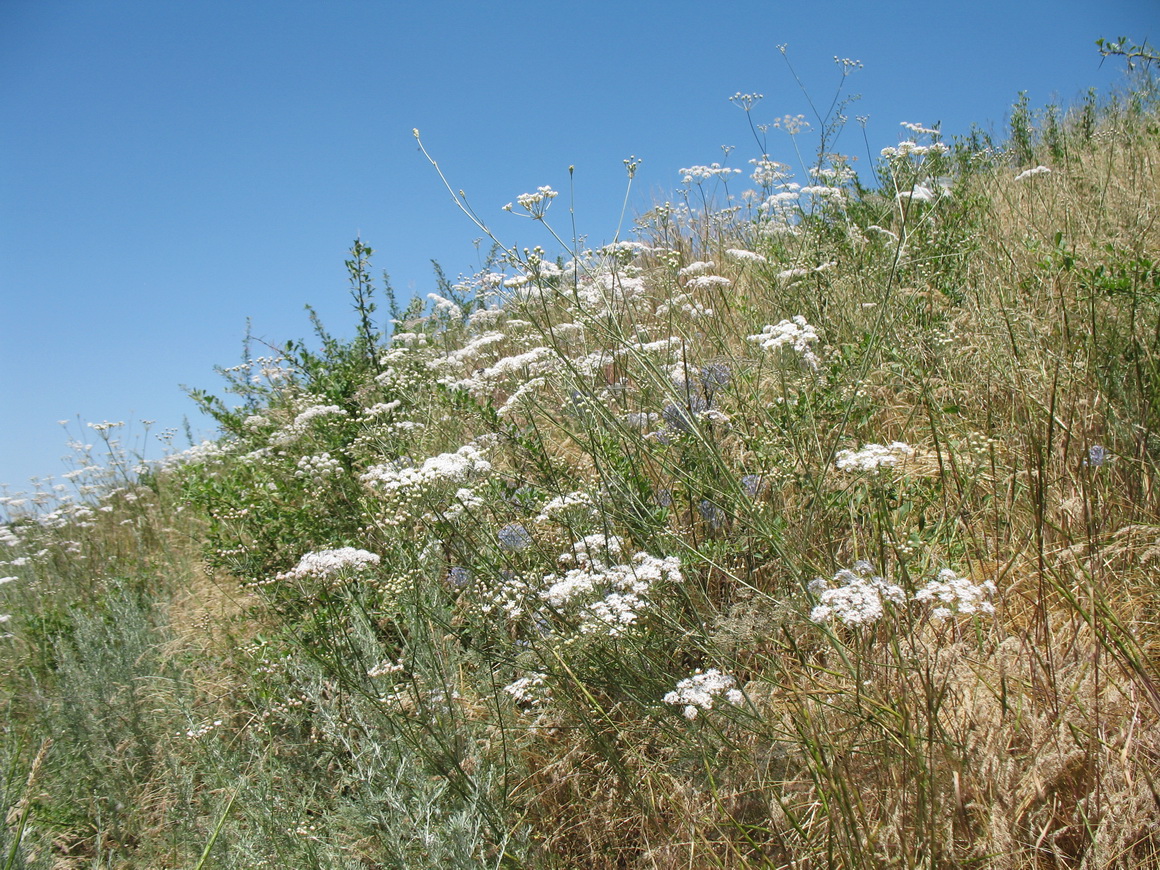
column 815, row 526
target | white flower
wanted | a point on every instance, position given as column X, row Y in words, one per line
column 1031, row 173
column 744, row 256
column 956, row 595
column 872, row 457
column 325, row 564
column 705, row 173
column 796, row 333
column 919, row 193
column 624, row 587
column 530, row 690
column 463, row 464
column 859, row 600
column 535, row 204
column 700, row 267
column 698, row 692
column 708, row 282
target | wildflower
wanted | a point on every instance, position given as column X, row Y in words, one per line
column 919, row 193
column 385, row 668
column 318, row 468
column 530, row 690
column 709, row 282
column 535, row 204
column 823, row 191
column 767, row 173
column 1031, row 173
column 792, row 124
column 745, row 101
column 920, row 130
column 796, row 333
column 461, row 465
column 714, row 376
column 458, row 576
column 443, row 307
column 752, row 484
column 743, row 256
column 680, row 417
column 872, row 457
column 698, row 692
column 624, row 587
column 710, row 513
column 955, row 595
column 1097, row 455
column 700, row 267
column 325, row 564
column 514, row 536
column 860, row 598
column 558, row 506
column 700, row 174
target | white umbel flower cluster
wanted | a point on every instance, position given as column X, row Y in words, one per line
column 743, row 256
column 859, row 600
column 465, row 463
column 873, row 457
column 1031, row 173
column 795, row 333
column 699, row 267
column 706, row 173
column 560, row 506
column 623, row 589
column 326, row 564
column 698, row 692
column 535, row 204
column 531, row 690
column 953, row 595
column 318, row 468
column 295, row 430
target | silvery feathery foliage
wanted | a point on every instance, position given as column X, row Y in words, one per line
column 463, row 464
column 872, row 457
column 698, row 692
column 955, row 595
column 858, row 600
column 796, row 333
column 325, row 564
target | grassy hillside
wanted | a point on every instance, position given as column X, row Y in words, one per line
column 816, row 525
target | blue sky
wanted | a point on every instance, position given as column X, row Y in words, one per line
column 168, row 170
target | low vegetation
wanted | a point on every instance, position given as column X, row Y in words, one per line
column 816, row 525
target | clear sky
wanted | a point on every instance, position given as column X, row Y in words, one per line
column 168, row 170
